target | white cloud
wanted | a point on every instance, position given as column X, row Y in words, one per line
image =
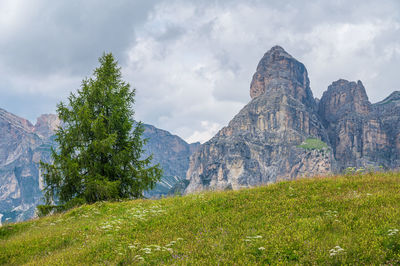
column 350, row 51
column 191, row 61
column 10, row 15
column 208, row 130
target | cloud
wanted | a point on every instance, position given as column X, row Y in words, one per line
column 203, row 71
column 191, row 62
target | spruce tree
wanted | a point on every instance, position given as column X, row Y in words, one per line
column 99, row 144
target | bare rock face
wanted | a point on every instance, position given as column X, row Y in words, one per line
column 172, row 153
column 20, row 152
column 357, row 133
column 269, row 140
column 280, row 72
column 388, row 112
column 262, row 143
column 46, row 125
column 344, row 98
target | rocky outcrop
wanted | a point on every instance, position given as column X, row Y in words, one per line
column 284, row 133
column 388, row 111
column 262, row 143
column 356, row 131
column 46, row 125
column 172, row 153
column 21, row 149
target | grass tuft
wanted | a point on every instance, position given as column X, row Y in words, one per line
column 313, row 144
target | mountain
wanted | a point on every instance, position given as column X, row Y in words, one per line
column 284, row 133
column 389, row 112
column 23, row 146
column 172, row 153
column 356, row 128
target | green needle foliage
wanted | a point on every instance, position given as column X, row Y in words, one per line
column 100, row 145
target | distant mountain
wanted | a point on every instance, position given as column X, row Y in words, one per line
column 361, row 134
column 284, row 133
column 23, row 146
column 172, row 153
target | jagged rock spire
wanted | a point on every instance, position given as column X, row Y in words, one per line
column 260, row 144
column 278, row 70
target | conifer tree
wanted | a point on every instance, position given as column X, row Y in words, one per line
column 99, row 144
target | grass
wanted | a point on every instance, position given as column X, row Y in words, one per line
column 352, row 219
column 313, row 144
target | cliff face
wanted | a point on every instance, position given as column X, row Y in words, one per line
column 284, row 133
column 172, row 153
column 388, row 111
column 357, row 134
column 21, row 149
column 261, row 143
column 23, row 146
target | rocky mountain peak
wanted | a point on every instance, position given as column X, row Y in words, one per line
column 393, row 97
column 344, row 97
column 276, row 51
column 278, row 72
column 14, row 121
column 262, row 143
column 46, row 125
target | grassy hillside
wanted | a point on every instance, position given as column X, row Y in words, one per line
column 349, row 219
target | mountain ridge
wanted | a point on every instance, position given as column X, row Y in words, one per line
column 283, row 133
column 23, row 145
column 263, row 142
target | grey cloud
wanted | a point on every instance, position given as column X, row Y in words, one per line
column 171, row 33
column 192, row 61
column 70, row 35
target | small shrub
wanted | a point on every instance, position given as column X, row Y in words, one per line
column 313, row 144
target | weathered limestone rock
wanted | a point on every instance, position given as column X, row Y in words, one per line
column 46, row 125
column 20, row 152
column 172, row 153
column 357, row 135
column 260, row 144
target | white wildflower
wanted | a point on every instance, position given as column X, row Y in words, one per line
column 253, row 237
column 393, row 232
column 335, row 251
column 168, row 249
column 261, row 248
column 146, row 250
column 138, row 257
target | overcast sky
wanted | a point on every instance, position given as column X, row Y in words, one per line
column 190, row 61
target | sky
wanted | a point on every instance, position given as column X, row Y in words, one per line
column 191, row 62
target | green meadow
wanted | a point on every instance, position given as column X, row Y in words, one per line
column 350, row 219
